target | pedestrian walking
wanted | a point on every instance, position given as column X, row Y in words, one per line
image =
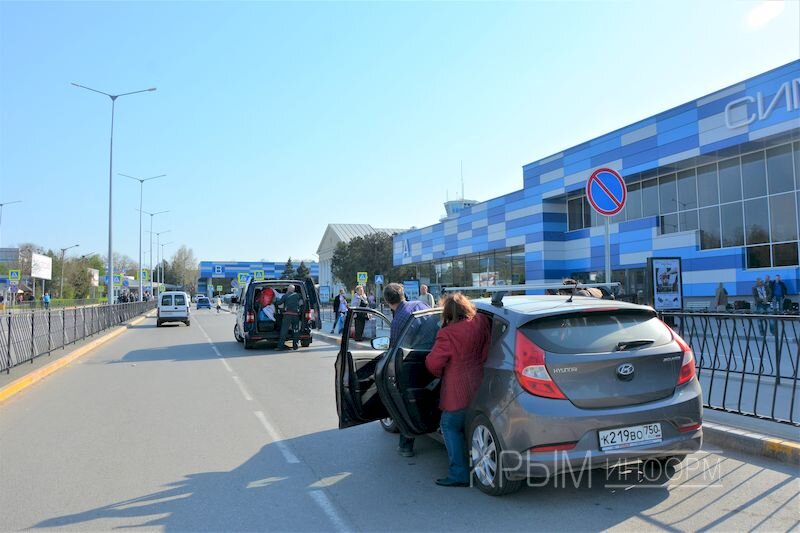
column 394, row 296
column 218, row 303
column 340, row 310
column 291, row 303
column 720, row 302
column 46, row 300
column 762, row 304
column 426, row 297
column 458, row 356
column 359, row 300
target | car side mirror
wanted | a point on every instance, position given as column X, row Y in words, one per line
column 380, row 343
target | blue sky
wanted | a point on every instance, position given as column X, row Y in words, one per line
column 272, row 120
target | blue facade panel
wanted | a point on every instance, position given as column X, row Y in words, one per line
column 764, row 106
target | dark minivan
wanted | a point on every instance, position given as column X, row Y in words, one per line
column 251, row 327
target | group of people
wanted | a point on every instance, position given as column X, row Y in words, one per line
column 770, row 294
column 457, row 357
column 340, row 306
column 290, row 302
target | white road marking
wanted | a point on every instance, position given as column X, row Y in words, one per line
column 319, row 495
column 287, row 452
column 329, row 508
column 242, row 388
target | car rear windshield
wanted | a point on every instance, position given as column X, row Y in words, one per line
column 180, row 299
column 598, row 332
column 166, row 299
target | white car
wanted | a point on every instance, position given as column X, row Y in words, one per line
column 173, row 306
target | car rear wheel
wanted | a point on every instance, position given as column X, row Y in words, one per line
column 236, row 333
column 486, row 454
column 305, row 344
column 248, row 344
column 188, row 322
column 389, row 425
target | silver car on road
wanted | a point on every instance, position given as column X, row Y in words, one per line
column 569, row 384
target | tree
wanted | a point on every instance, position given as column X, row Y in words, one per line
column 184, row 268
column 78, row 282
column 288, row 270
column 302, row 271
column 371, row 254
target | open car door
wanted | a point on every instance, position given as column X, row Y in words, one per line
column 412, row 391
column 313, row 303
column 357, row 399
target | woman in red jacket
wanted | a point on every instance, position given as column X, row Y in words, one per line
column 457, row 357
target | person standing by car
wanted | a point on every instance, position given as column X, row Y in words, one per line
column 458, row 356
column 394, row 296
column 426, row 297
column 291, row 302
column 339, row 310
column 360, row 300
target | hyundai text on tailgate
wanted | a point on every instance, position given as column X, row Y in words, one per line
column 574, row 383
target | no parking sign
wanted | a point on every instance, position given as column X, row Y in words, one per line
column 606, row 191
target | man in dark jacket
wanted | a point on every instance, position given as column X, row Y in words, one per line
column 291, row 302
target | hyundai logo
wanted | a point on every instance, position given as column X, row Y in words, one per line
column 625, row 371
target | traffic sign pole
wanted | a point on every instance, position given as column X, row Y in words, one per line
column 606, row 192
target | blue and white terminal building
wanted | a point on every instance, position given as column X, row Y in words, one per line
column 715, row 181
column 226, row 273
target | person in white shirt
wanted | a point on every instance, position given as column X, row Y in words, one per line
column 426, row 297
column 360, row 300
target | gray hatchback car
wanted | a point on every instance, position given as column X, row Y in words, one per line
column 569, row 384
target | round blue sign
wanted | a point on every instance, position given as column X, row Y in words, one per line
column 606, row 191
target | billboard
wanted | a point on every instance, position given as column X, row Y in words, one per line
column 95, row 274
column 411, row 288
column 667, row 283
column 41, row 266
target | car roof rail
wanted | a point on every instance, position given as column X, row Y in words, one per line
column 499, row 291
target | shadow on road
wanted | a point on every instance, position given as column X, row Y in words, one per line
column 380, row 491
column 202, row 351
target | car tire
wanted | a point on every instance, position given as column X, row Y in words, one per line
column 188, row 322
column 248, row 344
column 236, row 333
column 486, row 453
column 389, row 425
column 305, row 344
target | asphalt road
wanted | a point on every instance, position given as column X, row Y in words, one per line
column 180, row 428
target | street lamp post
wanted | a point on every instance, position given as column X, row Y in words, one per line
column 63, row 253
column 151, row 245
column 162, row 245
column 1, row 211
column 141, row 193
column 158, row 247
column 113, row 98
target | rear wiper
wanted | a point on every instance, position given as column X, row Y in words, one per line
column 627, row 345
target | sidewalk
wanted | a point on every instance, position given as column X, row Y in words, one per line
column 748, row 434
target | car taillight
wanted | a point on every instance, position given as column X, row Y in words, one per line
column 531, row 372
column 250, row 318
column 688, row 370
column 309, row 315
column 561, row 447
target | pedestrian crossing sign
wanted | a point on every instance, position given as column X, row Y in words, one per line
column 118, row 280
column 361, row 277
column 144, row 275
column 219, row 288
column 242, row 278
column 13, row 276
column 258, row 275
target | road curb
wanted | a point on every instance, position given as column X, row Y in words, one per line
column 36, row 376
column 786, row 451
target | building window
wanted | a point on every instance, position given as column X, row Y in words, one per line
column 707, row 191
column 730, row 181
column 758, row 257
column 756, row 219
column 779, row 169
column 747, row 200
column 784, row 254
column 732, row 224
column 754, row 175
column 709, row 228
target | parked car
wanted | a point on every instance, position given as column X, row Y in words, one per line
column 173, row 306
column 203, row 302
column 567, row 385
column 250, row 325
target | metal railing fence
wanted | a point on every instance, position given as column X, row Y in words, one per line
column 24, row 336
column 746, row 363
